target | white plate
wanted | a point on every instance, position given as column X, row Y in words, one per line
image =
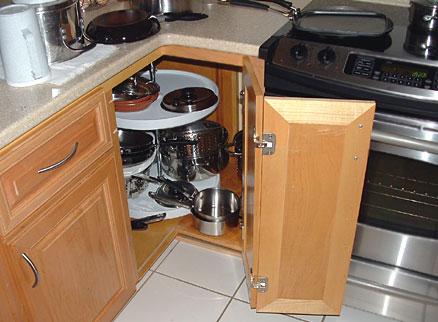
column 154, row 117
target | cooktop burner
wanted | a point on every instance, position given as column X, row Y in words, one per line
column 402, row 41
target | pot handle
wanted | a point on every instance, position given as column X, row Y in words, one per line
column 168, row 182
column 91, row 45
column 428, row 18
column 232, row 153
column 169, row 201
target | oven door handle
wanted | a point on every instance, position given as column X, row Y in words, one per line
column 403, row 141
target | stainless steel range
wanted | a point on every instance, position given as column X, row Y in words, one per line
column 394, row 266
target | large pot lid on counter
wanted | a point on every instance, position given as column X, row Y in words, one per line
column 122, row 26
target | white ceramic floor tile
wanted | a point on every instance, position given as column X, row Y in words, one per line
column 350, row 314
column 164, row 254
column 242, row 293
column 163, row 299
column 203, row 267
column 241, row 312
column 307, row 318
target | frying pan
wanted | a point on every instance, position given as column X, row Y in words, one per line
column 340, row 21
column 122, row 26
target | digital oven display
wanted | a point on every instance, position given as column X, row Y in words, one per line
column 403, row 69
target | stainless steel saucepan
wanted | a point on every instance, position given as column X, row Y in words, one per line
column 214, row 210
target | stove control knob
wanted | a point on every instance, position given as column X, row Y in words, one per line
column 299, row 52
column 327, row 56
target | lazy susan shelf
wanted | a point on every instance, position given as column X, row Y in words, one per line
column 154, row 117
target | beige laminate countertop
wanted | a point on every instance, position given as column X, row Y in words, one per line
column 230, row 29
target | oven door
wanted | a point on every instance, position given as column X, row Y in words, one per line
column 394, row 268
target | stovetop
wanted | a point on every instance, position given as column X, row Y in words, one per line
column 394, row 69
column 392, row 44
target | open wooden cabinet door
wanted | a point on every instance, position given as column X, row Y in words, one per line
column 304, row 164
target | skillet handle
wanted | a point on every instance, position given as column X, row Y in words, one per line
column 248, row 3
column 283, row 3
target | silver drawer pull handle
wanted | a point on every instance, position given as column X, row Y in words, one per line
column 63, row 161
column 35, row 271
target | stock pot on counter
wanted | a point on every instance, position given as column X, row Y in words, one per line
column 423, row 14
column 62, row 28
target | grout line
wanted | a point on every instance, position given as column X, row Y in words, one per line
column 189, row 283
column 243, row 301
column 298, row 319
column 238, row 287
column 223, row 312
column 162, row 261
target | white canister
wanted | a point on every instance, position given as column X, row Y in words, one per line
column 22, row 49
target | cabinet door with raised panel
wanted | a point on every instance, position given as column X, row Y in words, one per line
column 74, row 262
column 304, row 166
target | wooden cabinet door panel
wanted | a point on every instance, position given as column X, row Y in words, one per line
column 253, row 118
column 81, row 250
column 306, row 211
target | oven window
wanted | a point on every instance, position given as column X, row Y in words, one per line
column 400, row 194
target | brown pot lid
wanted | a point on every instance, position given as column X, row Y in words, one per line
column 189, row 99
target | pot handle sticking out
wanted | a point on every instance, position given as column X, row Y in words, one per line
column 169, row 201
column 142, row 223
column 83, row 49
column 170, row 183
column 292, row 13
column 91, row 44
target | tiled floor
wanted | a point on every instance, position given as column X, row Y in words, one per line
column 190, row 283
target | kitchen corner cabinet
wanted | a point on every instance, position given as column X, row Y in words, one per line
column 71, row 257
column 304, row 168
column 67, row 252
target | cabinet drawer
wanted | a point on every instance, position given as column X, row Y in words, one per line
column 51, row 155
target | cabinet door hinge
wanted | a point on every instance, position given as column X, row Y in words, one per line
column 261, row 284
column 267, row 144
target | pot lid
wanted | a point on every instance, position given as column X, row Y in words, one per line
column 194, row 128
column 189, row 99
column 32, row 1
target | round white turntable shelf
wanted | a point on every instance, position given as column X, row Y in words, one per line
column 154, row 117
